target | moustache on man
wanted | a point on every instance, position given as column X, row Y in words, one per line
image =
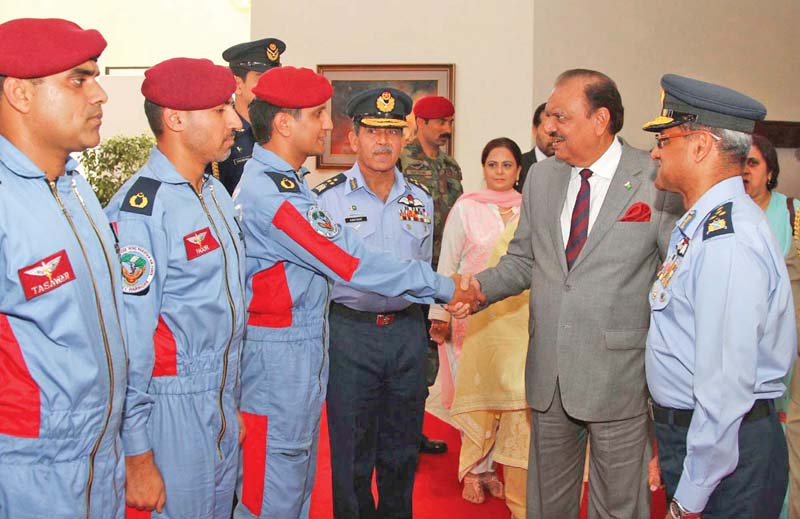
column 380, row 150
column 445, row 135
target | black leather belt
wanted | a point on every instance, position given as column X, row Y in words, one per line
column 377, row 319
column 683, row 417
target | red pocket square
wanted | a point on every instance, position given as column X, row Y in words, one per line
column 638, row 212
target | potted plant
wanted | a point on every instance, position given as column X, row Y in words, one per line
column 110, row 164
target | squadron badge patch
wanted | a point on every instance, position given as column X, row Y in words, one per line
column 321, row 222
column 138, row 269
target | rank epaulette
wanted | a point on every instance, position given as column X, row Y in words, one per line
column 327, row 184
column 418, row 184
column 141, row 196
column 719, row 222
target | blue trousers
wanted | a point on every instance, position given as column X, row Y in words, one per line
column 755, row 490
column 376, row 400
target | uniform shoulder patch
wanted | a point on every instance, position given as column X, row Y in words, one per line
column 141, row 196
column 331, row 182
column 138, row 269
column 285, row 183
column 419, row 184
column 719, row 222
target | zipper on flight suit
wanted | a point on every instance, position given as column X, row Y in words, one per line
column 74, row 186
column 109, row 361
column 238, row 263
column 233, row 323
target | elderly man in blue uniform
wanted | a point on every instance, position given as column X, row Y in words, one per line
column 294, row 251
column 722, row 332
column 376, row 389
column 62, row 356
column 247, row 61
column 183, row 266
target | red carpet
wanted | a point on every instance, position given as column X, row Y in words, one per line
column 437, row 492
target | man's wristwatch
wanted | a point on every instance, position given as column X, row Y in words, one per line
column 677, row 511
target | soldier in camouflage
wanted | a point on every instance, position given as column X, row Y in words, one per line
column 423, row 161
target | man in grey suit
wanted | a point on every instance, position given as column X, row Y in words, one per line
column 592, row 233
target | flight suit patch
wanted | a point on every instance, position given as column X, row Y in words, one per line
column 321, row 222
column 284, row 183
column 46, row 275
column 138, row 269
column 199, row 243
column 141, row 196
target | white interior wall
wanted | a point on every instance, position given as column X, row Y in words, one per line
column 506, row 52
column 490, row 43
column 143, row 33
column 744, row 44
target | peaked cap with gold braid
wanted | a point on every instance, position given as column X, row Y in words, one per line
column 382, row 107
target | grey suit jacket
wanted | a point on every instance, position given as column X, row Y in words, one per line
column 588, row 325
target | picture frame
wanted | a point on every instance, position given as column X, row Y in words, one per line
column 417, row 80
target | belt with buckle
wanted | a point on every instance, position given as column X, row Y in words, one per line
column 683, row 417
column 378, row 319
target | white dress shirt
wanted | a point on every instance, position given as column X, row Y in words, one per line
column 602, row 172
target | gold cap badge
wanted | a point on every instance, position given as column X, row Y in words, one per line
column 273, row 53
column 385, row 102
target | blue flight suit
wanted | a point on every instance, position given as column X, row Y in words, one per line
column 183, row 263
column 722, row 337
column 62, row 356
column 293, row 250
column 377, row 389
column 230, row 170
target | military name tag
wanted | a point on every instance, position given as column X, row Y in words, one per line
column 46, row 275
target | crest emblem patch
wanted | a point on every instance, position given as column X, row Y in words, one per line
column 321, row 222
column 138, row 269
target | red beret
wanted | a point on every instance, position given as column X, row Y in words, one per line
column 290, row 87
column 39, row 47
column 188, row 84
column 433, row 107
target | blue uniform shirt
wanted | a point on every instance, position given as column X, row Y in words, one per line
column 402, row 226
column 722, row 331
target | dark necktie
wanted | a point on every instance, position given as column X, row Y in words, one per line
column 579, row 228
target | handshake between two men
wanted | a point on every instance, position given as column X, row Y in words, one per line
column 467, row 299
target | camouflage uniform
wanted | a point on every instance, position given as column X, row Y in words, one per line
column 441, row 176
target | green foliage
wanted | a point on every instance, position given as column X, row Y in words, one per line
column 111, row 163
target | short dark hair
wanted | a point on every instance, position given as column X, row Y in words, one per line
column 240, row 72
column 770, row 158
column 154, row 112
column 502, row 142
column 601, row 92
column 537, row 115
column 262, row 114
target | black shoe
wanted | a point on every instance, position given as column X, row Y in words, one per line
column 428, row 446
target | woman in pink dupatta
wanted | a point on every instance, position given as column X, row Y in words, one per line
column 476, row 223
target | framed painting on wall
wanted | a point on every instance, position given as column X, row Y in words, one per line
column 347, row 80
